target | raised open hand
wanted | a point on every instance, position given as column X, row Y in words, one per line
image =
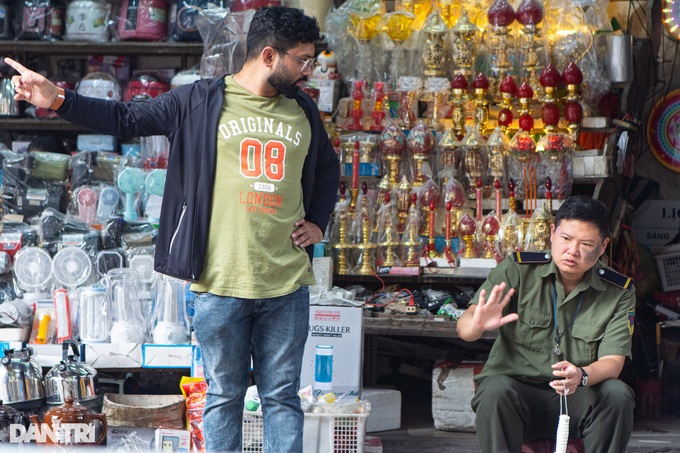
column 488, row 314
column 32, row 87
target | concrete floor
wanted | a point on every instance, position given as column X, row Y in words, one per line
column 417, row 433
column 649, row 436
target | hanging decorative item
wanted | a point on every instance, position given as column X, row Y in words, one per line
column 670, row 10
column 662, row 130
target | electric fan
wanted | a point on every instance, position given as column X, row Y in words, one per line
column 130, row 181
column 33, row 272
column 87, row 199
column 155, row 184
column 108, row 201
column 71, row 267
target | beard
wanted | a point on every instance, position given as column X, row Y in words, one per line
column 284, row 83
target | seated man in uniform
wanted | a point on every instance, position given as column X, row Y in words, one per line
column 564, row 324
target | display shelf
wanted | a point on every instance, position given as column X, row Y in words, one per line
column 468, row 280
column 415, row 325
column 31, row 124
column 106, row 48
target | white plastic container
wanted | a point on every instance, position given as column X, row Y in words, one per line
column 87, row 20
column 323, row 433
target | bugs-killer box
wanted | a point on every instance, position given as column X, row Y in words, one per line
column 333, row 354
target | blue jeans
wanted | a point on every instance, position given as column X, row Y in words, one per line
column 274, row 331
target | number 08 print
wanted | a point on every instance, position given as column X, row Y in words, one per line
column 257, row 159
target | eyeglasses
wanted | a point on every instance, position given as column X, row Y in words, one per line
column 306, row 64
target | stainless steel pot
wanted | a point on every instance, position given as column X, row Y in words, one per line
column 21, row 384
column 72, row 378
column 8, row 106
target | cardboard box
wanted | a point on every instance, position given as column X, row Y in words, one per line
column 173, row 440
column 166, row 355
column 120, row 436
column 385, row 409
column 97, row 142
column 452, row 391
column 109, row 355
column 342, row 328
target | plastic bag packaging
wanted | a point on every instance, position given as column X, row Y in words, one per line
column 27, row 195
column 88, row 20
column 88, row 167
column 224, row 36
column 58, row 230
column 183, row 24
column 252, row 399
column 585, row 28
column 194, row 391
column 132, row 442
column 142, row 20
column 38, row 19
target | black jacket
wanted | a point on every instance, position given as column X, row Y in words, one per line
column 188, row 116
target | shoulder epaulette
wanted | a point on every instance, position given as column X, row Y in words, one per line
column 616, row 279
column 531, row 257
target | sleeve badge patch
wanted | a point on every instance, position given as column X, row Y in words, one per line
column 631, row 321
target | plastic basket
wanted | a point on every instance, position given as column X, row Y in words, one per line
column 669, row 271
column 323, row 433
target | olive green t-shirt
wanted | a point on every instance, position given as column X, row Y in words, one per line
column 262, row 144
column 524, row 348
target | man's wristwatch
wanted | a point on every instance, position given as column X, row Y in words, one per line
column 59, row 99
column 584, row 377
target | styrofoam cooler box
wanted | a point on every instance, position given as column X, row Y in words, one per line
column 452, row 391
column 385, row 409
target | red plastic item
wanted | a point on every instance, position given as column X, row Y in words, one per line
column 480, row 82
column 501, row 14
column 530, row 12
column 550, row 114
column 550, row 77
column 145, row 86
column 242, row 5
column 573, row 112
column 459, row 82
column 572, row 74
column 143, row 20
column 525, row 91
column 508, row 85
column 526, row 122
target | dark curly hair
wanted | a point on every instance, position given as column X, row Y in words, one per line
column 585, row 209
column 280, row 27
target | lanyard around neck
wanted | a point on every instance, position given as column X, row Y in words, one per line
column 558, row 335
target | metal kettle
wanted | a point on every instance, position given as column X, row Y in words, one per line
column 8, row 106
column 21, row 384
column 72, row 378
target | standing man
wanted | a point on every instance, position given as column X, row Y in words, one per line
column 252, row 180
column 564, row 327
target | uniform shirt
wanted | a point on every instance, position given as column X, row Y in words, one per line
column 524, row 348
column 262, row 143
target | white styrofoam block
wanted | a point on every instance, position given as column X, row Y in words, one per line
column 385, row 409
column 452, row 390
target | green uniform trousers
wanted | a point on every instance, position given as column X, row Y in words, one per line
column 510, row 412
